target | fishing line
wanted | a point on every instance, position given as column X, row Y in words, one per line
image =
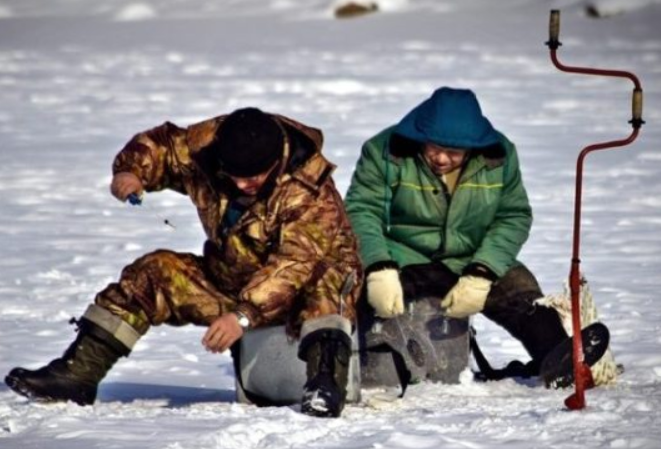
column 135, row 199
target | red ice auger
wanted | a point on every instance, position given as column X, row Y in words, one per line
column 582, row 373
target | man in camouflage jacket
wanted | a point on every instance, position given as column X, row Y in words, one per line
column 279, row 250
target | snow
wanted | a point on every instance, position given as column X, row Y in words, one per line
column 136, row 11
column 78, row 79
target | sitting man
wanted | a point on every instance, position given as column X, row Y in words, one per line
column 440, row 210
column 279, row 250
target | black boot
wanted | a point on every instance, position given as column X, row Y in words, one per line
column 76, row 375
column 511, row 304
column 327, row 353
column 557, row 369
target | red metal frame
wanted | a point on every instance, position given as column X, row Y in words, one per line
column 582, row 373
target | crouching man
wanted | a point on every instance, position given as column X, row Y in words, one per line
column 279, row 250
column 441, row 211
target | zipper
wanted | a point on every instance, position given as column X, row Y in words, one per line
column 442, row 190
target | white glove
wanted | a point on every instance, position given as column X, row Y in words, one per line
column 385, row 293
column 467, row 297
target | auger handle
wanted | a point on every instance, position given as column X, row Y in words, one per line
column 637, row 108
column 554, row 30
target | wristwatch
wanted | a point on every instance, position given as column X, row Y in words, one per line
column 244, row 321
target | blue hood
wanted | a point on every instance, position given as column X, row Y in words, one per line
column 450, row 118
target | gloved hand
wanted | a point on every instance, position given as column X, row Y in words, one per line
column 467, row 297
column 384, row 293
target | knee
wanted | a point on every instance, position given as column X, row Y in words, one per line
column 518, row 280
column 509, row 305
column 150, row 268
column 158, row 258
column 515, row 292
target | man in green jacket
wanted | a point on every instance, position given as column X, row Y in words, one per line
column 440, row 209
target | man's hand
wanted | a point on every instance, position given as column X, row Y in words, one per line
column 124, row 184
column 467, row 297
column 222, row 333
column 385, row 293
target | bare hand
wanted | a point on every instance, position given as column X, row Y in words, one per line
column 222, row 333
column 124, row 184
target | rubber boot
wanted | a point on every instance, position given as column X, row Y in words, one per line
column 557, row 368
column 76, row 375
column 327, row 352
column 511, row 304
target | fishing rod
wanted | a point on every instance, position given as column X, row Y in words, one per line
column 582, row 374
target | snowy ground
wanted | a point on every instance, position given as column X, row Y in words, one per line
column 78, row 79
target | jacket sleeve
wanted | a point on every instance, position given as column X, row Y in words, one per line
column 511, row 224
column 367, row 202
column 308, row 228
column 159, row 157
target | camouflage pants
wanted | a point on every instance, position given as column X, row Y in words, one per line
column 165, row 287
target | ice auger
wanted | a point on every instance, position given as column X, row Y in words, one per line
column 582, row 373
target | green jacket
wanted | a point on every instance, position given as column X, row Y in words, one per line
column 403, row 213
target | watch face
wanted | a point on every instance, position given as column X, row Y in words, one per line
column 244, row 322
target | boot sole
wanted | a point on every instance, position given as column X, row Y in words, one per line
column 312, row 405
column 17, row 386
column 557, row 369
column 23, row 388
column 317, row 412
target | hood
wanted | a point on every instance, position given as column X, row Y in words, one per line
column 450, row 118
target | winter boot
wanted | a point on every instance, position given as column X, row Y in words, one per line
column 326, row 348
column 512, row 304
column 557, row 369
column 76, row 375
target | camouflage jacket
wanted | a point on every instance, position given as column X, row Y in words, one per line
column 292, row 253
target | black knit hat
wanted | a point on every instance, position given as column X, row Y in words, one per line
column 248, row 142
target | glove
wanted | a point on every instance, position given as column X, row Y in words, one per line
column 384, row 293
column 467, row 297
